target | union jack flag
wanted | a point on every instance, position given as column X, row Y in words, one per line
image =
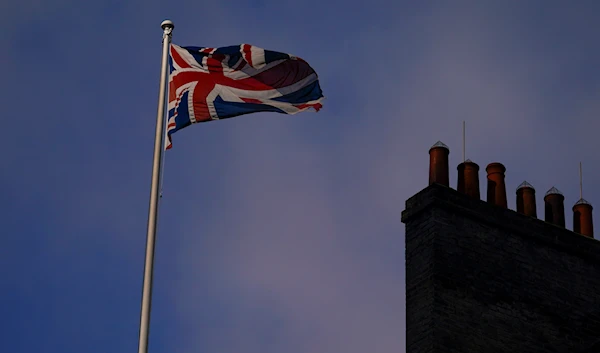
column 208, row 84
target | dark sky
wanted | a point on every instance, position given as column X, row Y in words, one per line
column 277, row 233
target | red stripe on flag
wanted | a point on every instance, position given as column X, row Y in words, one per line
column 178, row 59
column 316, row 106
column 247, row 51
column 240, row 65
column 172, row 92
column 284, row 74
column 252, row 100
column 215, row 65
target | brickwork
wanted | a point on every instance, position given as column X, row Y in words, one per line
column 482, row 278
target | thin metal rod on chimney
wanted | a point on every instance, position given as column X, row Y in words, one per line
column 580, row 182
column 464, row 137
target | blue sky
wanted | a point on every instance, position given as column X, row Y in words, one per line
column 276, row 233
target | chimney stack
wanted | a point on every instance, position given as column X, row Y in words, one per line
column 468, row 179
column 554, row 207
column 582, row 218
column 526, row 200
column 496, row 191
column 438, row 164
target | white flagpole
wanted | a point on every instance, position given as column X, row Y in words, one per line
column 167, row 27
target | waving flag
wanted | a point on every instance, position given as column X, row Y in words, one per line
column 217, row 83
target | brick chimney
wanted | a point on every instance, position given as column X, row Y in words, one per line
column 468, row 179
column 496, row 190
column 554, row 207
column 526, row 200
column 582, row 218
column 438, row 164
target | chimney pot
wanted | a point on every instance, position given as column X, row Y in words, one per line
column 496, row 192
column 438, row 164
column 582, row 218
column 468, row 179
column 526, row 200
column 554, row 207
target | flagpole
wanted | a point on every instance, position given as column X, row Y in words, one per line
column 167, row 27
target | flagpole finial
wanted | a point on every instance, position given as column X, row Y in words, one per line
column 167, row 24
